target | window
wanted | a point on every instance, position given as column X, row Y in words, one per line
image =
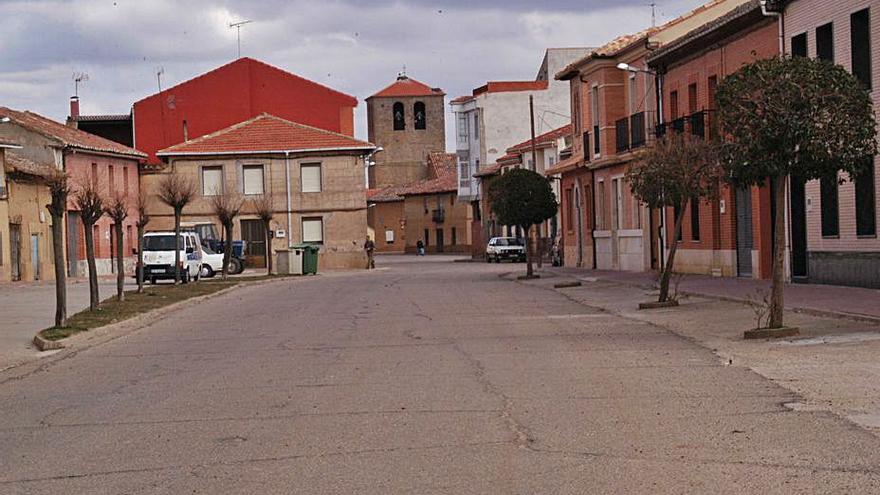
column 799, row 45
column 212, row 181
column 576, row 107
column 860, row 41
column 866, row 206
column 426, row 237
column 617, row 210
column 462, row 128
column 695, row 219
column 569, row 210
column 673, row 105
column 111, row 183
column 692, row 98
column 419, row 116
column 130, row 239
column 125, row 180
column 94, row 175
column 399, row 116
column 454, row 238
column 310, row 175
column 463, row 174
column 676, row 210
column 476, row 125
column 594, row 117
column 252, row 176
column 600, row 205
column 828, row 194
column 825, row 42
column 313, row 230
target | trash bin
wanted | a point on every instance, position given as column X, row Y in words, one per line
column 289, row 261
column 309, row 257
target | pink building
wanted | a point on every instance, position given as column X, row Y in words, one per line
column 833, row 234
column 85, row 157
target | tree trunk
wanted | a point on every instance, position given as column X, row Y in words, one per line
column 670, row 260
column 179, row 242
column 777, row 300
column 89, row 232
column 120, row 264
column 268, row 249
column 60, row 270
column 227, row 249
column 140, row 261
column 529, row 271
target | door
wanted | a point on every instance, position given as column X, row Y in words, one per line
column 15, row 250
column 73, row 224
column 798, row 229
column 744, row 238
column 255, row 238
column 439, row 240
column 35, row 255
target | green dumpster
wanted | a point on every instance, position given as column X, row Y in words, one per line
column 309, row 258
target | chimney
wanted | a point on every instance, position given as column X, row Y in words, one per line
column 74, row 107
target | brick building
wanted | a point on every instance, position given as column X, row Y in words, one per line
column 313, row 177
column 733, row 234
column 85, row 157
column 833, row 231
column 386, row 219
column 407, row 120
column 432, row 210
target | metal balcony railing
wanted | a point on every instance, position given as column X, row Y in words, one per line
column 698, row 124
column 438, row 216
column 637, row 129
column 678, row 125
column 621, row 128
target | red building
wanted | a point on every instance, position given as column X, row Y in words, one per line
column 234, row 93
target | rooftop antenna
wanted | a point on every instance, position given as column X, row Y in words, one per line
column 159, row 72
column 237, row 26
column 78, row 77
column 402, row 74
column 653, row 14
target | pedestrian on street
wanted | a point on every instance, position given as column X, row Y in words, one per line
column 420, row 248
column 369, row 247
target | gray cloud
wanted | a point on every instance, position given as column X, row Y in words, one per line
column 356, row 46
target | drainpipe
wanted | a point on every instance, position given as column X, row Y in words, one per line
column 661, row 236
column 289, row 201
column 593, row 214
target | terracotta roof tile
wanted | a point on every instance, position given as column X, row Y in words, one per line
column 68, row 136
column 548, row 138
column 266, row 133
column 385, row 194
column 442, row 173
column 406, row 86
column 18, row 163
column 493, row 170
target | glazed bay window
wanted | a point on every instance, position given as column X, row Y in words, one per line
column 313, row 230
column 212, row 180
column 252, row 179
column 310, row 174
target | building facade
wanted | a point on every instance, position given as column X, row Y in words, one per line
column 114, row 168
column 233, row 93
column 407, row 120
column 314, row 180
column 833, row 226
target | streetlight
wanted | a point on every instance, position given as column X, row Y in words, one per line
column 629, row 68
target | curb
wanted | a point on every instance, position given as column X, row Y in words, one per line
column 825, row 313
column 47, row 345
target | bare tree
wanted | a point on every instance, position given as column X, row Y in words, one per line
column 143, row 220
column 58, row 190
column 678, row 169
column 264, row 207
column 226, row 207
column 117, row 209
column 90, row 203
column 176, row 191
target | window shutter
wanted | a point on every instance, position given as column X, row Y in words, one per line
column 310, row 174
column 212, row 181
column 253, row 179
column 313, row 230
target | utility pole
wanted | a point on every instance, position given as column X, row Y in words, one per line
column 533, row 237
column 237, row 26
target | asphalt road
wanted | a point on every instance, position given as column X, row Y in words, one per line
column 424, row 377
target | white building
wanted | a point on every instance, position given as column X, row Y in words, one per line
column 496, row 116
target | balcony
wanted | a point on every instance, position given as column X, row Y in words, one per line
column 637, row 129
column 438, row 216
column 678, row 125
column 698, row 124
column 622, row 138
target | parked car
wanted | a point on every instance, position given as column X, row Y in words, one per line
column 159, row 250
column 208, row 236
column 212, row 262
column 505, row 248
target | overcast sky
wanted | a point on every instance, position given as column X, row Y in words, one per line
column 356, row 46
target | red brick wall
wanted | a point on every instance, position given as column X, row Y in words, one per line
column 568, row 228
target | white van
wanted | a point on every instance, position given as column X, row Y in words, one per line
column 159, row 256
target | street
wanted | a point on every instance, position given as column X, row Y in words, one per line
column 425, row 376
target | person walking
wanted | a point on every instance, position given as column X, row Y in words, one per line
column 369, row 248
column 420, row 248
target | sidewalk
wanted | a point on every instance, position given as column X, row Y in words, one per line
column 812, row 298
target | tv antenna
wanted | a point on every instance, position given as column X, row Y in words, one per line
column 78, row 77
column 237, row 26
column 160, row 71
column 653, row 6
